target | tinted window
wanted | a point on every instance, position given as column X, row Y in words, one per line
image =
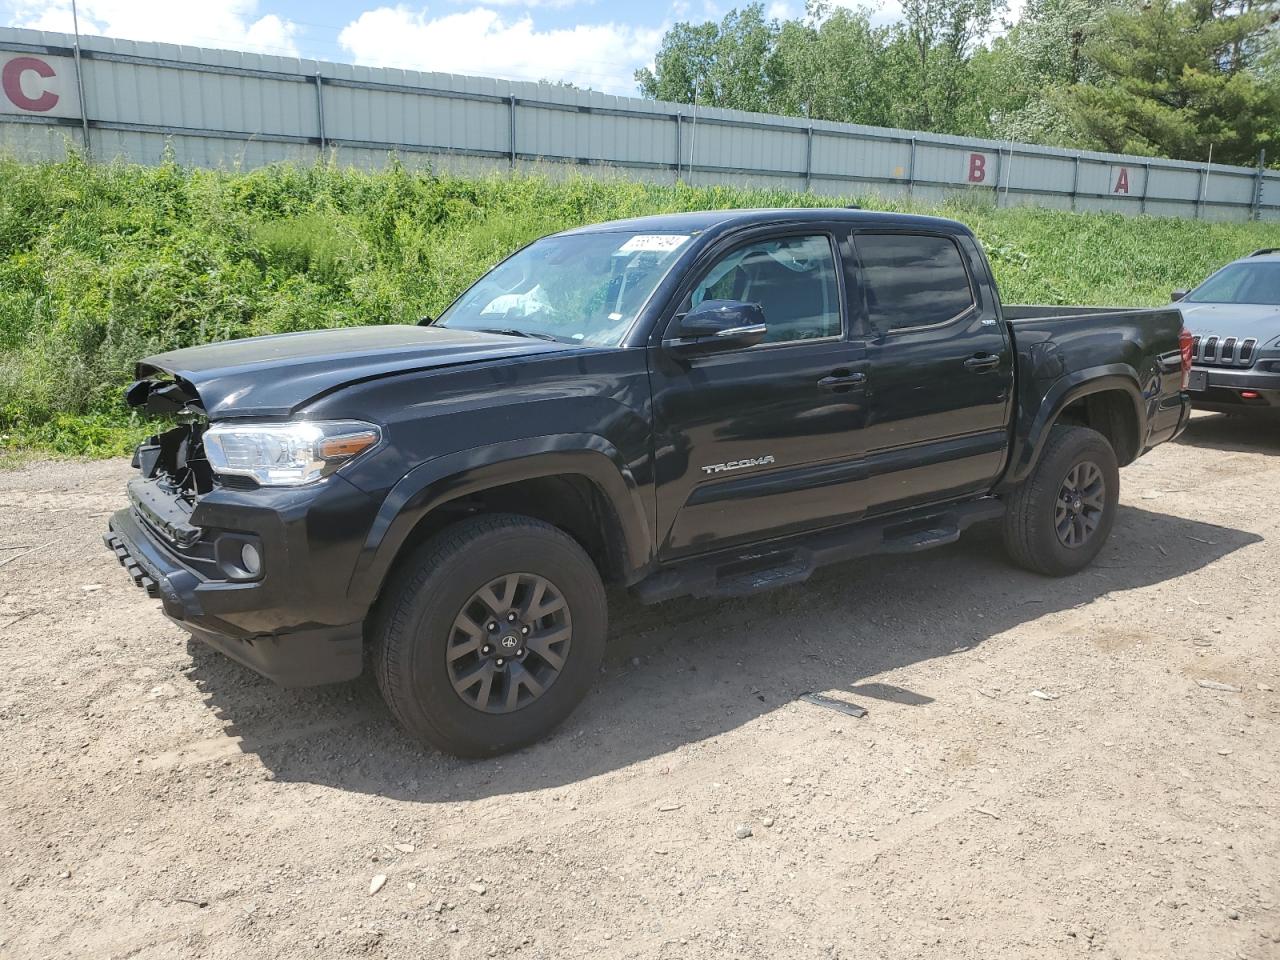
column 792, row 278
column 912, row 281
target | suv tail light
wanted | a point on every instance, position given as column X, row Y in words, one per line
column 1184, row 344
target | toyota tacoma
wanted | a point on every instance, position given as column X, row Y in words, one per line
column 706, row 404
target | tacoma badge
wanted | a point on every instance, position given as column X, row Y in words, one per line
column 738, row 464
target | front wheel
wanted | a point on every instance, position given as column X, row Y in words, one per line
column 490, row 634
column 1060, row 517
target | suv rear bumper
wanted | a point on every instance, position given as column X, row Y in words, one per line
column 291, row 658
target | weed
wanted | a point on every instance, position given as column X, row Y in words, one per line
column 102, row 265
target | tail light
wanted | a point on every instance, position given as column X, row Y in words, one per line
column 1184, row 344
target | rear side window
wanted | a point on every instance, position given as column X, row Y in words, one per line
column 912, row 281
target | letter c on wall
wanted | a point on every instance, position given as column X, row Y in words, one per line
column 11, row 81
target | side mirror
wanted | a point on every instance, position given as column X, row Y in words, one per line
column 1177, row 295
column 426, row 321
column 718, row 325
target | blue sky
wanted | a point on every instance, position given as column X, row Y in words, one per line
column 593, row 43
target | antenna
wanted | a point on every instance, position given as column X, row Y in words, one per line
column 84, row 112
column 1204, row 184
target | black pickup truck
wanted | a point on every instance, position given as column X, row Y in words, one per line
column 705, row 403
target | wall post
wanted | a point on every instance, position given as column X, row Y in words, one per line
column 324, row 143
column 999, row 172
column 511, row 127
column 679, row 142
column 1255, row 210
column 808, row 160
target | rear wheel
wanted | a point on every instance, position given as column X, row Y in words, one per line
column 490, row 634
column 1061, row 515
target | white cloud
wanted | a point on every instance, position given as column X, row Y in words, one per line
column 530, row 4
column 231, row 24
column 481, row 41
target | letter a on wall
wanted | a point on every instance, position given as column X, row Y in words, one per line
column 1122, row 181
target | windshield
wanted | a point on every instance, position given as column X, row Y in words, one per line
column 584, row 288
column 1241, row 283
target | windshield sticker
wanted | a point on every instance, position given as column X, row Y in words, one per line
column 654, row 243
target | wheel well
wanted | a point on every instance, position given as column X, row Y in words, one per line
column 1111, row 413
column 570, row 502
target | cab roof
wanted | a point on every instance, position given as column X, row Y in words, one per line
column 718, row 221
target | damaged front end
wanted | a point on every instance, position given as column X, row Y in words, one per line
column 215, row 548
column 174, row 459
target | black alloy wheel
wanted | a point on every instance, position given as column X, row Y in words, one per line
column 1081, row 502
column 509, row 643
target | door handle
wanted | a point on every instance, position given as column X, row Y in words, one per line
column 983, row 364
column 840, row 381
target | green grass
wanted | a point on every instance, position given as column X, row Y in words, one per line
column 102, row 265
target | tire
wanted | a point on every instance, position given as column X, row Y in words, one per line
column 433, row 605
column 1032, row 519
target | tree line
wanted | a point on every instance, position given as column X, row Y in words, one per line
column 1168, row 78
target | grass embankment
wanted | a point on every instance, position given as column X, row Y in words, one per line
column 102, row 265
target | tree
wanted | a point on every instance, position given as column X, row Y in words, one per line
column 830, row 66
column 1180, row 76
column 724, row 64
column 1020, row 78
column 929, row 58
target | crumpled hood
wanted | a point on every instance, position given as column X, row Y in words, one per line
column 273, row 376
column 1240, row 320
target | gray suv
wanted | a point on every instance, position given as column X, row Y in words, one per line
column 1234, row 318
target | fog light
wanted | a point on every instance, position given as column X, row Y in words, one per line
column 250, row 559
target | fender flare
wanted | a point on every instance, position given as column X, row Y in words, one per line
column 438, row 481
column 1029, row 442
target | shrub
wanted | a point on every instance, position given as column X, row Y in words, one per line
column 102, row 265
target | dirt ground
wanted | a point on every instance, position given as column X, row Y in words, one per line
column 157, row 800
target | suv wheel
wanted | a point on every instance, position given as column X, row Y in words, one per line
column 489, row 635
column 1061, row 515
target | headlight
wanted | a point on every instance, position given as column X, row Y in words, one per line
column 286, row 454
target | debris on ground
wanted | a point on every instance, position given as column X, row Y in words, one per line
column 1215, row 685
column 831, row 703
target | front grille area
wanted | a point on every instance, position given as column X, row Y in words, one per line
column 1223, row 351
column 233, row 481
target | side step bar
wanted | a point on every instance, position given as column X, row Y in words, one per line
column 794, row 559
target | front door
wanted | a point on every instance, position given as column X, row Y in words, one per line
column 761, row 441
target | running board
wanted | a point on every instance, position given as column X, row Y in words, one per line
column 793, row 560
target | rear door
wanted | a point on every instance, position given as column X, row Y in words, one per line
column 941, row 368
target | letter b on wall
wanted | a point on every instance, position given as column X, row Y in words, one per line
column 977, row 168
column 38, row 86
